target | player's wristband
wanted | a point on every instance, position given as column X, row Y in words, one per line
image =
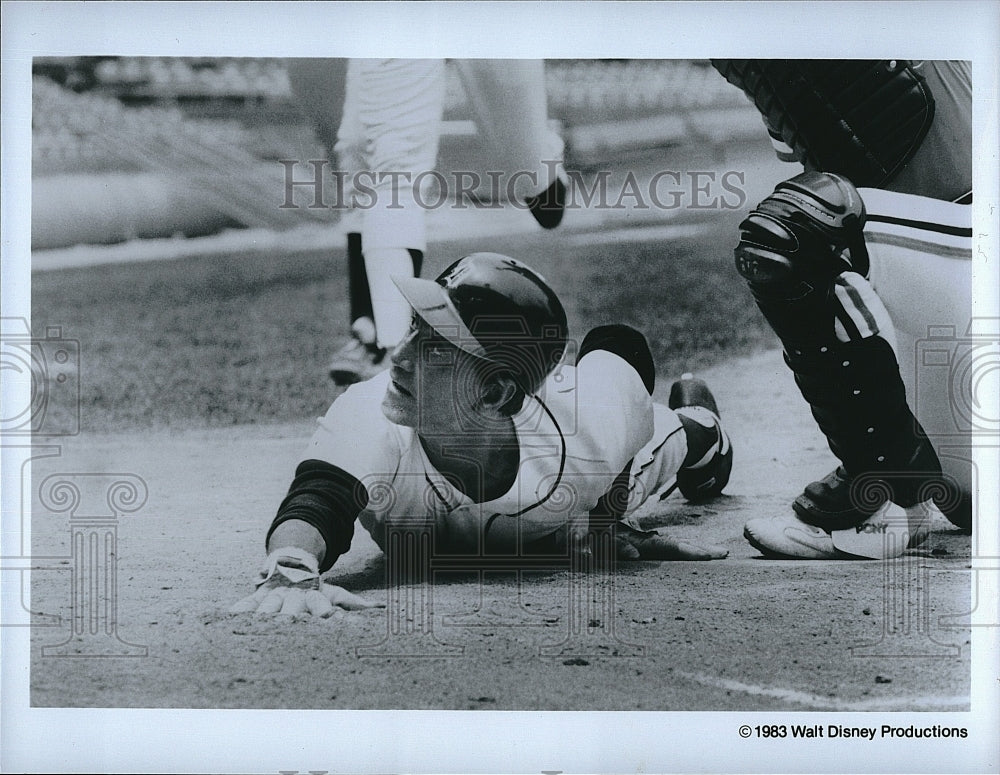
column 291, row 562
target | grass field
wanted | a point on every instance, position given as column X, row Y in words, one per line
column 239, row 339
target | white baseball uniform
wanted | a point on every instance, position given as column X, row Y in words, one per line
column 575, row 436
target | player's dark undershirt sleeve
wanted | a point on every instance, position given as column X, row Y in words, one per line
column 628, row 344
column 329, row 499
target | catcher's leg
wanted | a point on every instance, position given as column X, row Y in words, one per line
column 920, row 243
column 921, row 267
column 803, row 252
column 942, row 166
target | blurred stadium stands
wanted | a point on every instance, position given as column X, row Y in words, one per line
column 236, row 101
column 206, row 123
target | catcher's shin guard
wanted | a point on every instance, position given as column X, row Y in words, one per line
column 802, row 251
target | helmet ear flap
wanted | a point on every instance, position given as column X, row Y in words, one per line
column 493, row 392
column 503, row 393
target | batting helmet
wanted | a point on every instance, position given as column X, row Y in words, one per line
column 497, row 309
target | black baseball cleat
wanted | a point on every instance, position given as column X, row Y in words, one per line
column 840, row 501
column 709, row 474
column 691, row 391
column 357, row 362
column 828, row 503
column 548, row 207
column 361, row 358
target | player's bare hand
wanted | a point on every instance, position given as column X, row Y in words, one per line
column 289, row 584
column 636, row 545
column 293, row 599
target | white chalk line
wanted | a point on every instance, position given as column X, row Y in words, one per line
column 829, row 703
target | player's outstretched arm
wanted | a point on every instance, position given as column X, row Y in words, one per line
column 313, row 527
column 635, row 545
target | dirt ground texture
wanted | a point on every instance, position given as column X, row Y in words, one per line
column 740, row 633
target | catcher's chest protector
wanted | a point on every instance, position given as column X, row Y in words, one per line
column 858, row 118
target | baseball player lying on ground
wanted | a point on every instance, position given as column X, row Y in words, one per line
column 481, row 433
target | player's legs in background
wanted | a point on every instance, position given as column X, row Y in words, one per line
column 388, row 137
column 361, row 358
column 400, row 102
column 326, row 92
column 509, row 102
column 391, row 125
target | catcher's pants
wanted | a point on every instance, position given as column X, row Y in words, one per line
column 942, row 165
column 921, row 268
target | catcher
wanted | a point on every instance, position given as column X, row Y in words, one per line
column 853, row 263
column 481, row 432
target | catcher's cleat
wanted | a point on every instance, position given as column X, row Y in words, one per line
column 705, row 478
column 548, row 207
column 358, row 360
column 828, row 502
column 837, row 501
column 887, row 533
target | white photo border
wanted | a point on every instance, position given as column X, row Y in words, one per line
column 437, row 741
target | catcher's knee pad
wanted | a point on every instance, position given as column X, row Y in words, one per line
column 808, row 231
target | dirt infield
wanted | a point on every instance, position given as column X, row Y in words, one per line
column 740, row 633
